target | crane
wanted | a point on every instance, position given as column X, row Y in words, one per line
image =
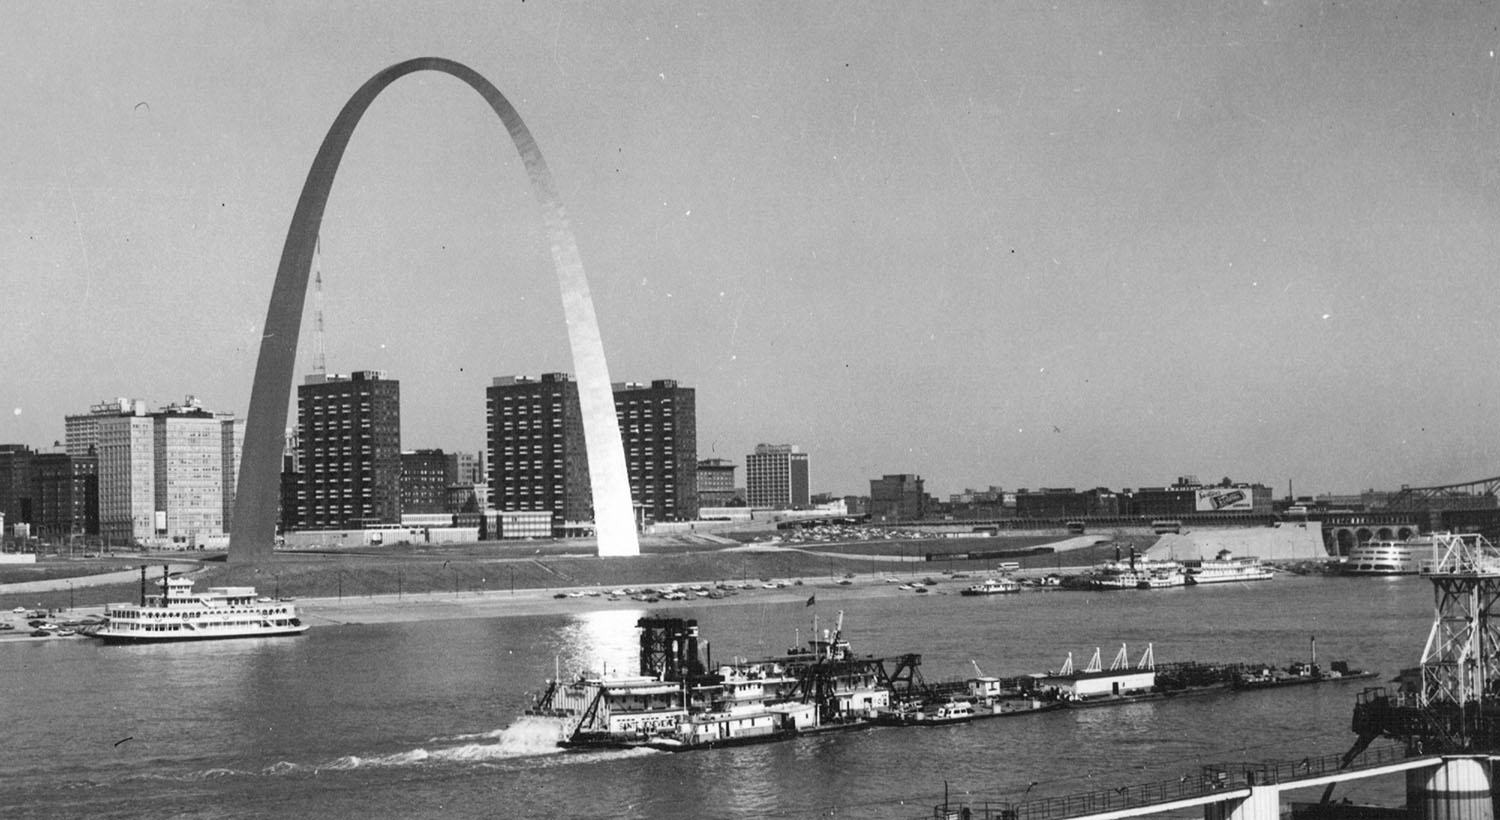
column 1451, row 703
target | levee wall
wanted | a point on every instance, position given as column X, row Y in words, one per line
column 1284, row 542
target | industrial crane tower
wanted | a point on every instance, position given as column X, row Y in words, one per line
column 1454, row 705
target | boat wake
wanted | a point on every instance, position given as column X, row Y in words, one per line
column 529, row 736
column 530, row 741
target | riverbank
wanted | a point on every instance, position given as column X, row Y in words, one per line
column 530, row 602
column 335, row 589
column 435, row 606
column 395, row 574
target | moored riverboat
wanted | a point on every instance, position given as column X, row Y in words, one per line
column 992, row 586
column 1225, row 568
column 179, row 614
column 1389, row 558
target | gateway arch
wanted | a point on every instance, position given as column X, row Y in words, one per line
column 252, row 532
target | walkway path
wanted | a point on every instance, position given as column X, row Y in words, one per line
column 103, row 579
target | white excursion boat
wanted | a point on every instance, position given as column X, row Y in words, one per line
column 1223, row 569
column 1139, row 573
column 992, row 586
column 179, row 614
column 1389, row 557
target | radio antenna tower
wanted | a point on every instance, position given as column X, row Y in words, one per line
column 320, row 365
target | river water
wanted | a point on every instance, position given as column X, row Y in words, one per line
column 415, row 720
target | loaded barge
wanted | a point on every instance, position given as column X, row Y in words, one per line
column 677, row 702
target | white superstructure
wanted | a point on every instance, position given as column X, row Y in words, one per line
column 1138, row 573
column 1389, row 557
column 1224, row 568
column 182, row 615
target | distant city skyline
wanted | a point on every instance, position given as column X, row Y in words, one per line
column 1100, row 245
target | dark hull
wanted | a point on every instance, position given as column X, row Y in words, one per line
column 179, row 638
column 723, row 743
column 1277, row 683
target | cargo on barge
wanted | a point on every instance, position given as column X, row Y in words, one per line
column 678, row 702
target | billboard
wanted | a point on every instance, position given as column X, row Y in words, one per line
column 1224, row 499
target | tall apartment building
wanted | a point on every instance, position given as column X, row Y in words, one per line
column 349, row 432
column 535, row 447
column 538, row 460
column 776, row 477
column 659, row 430
column 715, row 482
column 167, row 478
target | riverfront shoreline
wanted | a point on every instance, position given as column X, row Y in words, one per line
column 446, row 605
column 531, row 602
column 427, row 573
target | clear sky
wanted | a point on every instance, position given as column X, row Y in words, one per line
column 989, row 243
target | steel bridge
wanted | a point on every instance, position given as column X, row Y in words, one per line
column 1465, row 495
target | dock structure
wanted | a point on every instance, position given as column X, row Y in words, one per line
column 1445, row 717
column 1439, row 788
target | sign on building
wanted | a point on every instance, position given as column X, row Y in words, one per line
column 1224, row 499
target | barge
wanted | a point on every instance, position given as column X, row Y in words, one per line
column 1299, row 673
column 677, row 702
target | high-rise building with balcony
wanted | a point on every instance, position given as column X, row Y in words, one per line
column 535, row 448
column 538, row 461
column 776, row 477
column 349, row 432
column 659, row 430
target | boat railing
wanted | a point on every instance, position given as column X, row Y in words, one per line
column 1206, row 781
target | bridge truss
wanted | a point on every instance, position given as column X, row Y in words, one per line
column 1466, row 495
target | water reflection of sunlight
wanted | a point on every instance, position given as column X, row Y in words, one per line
column 605, row 640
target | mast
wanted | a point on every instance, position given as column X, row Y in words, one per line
column 320, row 365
